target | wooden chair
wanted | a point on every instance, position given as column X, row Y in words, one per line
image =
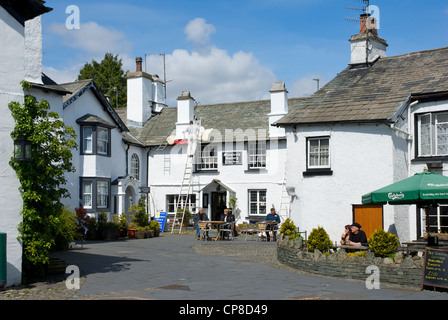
column 227, row 228
column 261, row 232
column 248, row 229
column 203, row 230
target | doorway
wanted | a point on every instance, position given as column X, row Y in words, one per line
column 370, row 217
column 219, row 200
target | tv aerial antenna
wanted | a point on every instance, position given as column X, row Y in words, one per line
column 357, row 7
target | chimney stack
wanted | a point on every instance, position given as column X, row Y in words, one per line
column 367, row 46
column 139, row 61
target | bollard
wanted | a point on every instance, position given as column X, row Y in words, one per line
column 2, row 261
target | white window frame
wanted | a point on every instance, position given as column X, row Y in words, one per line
column 85, row 194
column 102, row 198
column 87, row 139
column 434, row 134
column 135, row 166
column 259, row 202
column 256, row 151
column 209, row 158
column 171, row 202
column 320, row 153
column 102, row 142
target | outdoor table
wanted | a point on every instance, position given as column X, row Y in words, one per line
column 356, row 248
column 216, row 225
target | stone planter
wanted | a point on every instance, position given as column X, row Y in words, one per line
column 149, row 233
column 109, row 234
column 139, row 234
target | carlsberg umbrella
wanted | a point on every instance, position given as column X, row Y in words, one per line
column 426, row 188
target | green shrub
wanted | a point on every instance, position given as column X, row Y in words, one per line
column 288, row 229
column 318, row 239
column 383, row 243
column 66, row 230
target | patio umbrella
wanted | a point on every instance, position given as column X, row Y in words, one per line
column 425, row 189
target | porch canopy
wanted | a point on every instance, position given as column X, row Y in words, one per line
column 425, row 189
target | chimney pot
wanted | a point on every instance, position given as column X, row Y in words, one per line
column 139, row 61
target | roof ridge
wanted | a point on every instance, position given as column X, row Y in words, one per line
column 416, row 53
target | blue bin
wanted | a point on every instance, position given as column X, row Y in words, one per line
column 2, row 260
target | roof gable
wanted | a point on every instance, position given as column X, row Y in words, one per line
column 78, row 88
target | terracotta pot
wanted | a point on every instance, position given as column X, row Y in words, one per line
column 131, row 233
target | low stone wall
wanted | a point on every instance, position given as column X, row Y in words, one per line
column 402, row 270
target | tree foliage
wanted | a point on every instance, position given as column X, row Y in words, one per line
column 109, row 76
column 42, row 179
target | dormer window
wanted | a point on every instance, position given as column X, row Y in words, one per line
column 95, row 136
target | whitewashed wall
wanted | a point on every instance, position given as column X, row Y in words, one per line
column 362, row 160
column 12, row 71
column 236, row 177
column 92, row 165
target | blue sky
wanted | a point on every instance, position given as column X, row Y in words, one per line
column 224, row 51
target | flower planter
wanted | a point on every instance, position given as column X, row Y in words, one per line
column 149, row 233
column 131, row 233
column 440, row 236
column 109, row 234
column 139, row 234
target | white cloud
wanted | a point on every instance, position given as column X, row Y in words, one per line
column 212, row 75
column 199, row 32
column 92, row 38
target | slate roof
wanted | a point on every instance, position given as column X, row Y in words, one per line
column 373, row 94
column 252, row 115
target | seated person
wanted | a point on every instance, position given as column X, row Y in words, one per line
column 346, row 235
column 200, row 216
column 228, row 217
column 357, row 236
column 272, row 219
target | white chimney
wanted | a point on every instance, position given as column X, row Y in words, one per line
column 185, row 113
column 367, row 46
column 279, row 108
column 33, row 50
column 145, row 95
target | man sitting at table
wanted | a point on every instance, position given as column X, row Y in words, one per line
column 228, row 217
column 200, row 216
column 357, row 236
column 272, row 219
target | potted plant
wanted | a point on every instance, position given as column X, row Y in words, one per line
column 140, row 233
column 149, row 233
column 122, row 225
column 155, row 226
column 132, row 228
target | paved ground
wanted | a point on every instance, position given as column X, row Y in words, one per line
column 178, row 267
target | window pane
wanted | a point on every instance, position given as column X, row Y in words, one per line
column 442, row 133
column 87, row 194
column 87, row 139
column 102, row 140
column 102, row 194
column 135, row 167
column 319, row 152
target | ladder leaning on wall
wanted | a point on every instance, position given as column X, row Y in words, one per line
column 185, row 186
column 285, row 201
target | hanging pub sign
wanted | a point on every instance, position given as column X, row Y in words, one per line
column 435, row 268
column 232, row 157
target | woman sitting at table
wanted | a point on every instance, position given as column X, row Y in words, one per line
column 228, row 217
column 346, row 235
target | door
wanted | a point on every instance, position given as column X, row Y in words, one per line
column 370, row 217
column 219, row 200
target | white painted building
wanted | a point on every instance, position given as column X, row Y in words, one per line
column 240, row 154
column 380, row 120
column 20, row 59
